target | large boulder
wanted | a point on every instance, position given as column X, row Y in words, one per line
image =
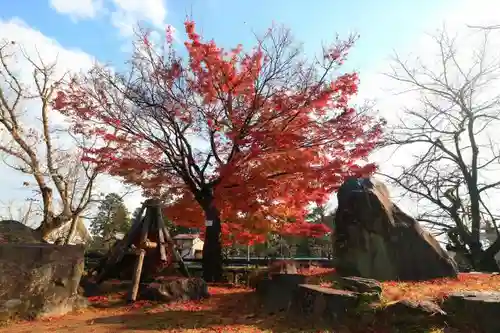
column 359, row 285
column 38, row 280
column 15, row 232
column 375, row 239
column 175, row 289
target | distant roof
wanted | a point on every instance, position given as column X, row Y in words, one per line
column 186, row 236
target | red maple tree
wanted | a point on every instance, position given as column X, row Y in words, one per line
column 240, row 142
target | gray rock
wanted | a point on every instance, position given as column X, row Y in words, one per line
column 325, row 304
column 370, row 290
column 15, row 232
column 175, row 290
column 73, row 303
column 480, row 309
column 277, row 292
column 359, row 284
column 43, row 277
column 375, row 239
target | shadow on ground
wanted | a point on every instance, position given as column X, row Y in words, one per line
column 238, row 312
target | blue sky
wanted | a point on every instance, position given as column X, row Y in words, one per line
column 79, row 30
column 384, row 25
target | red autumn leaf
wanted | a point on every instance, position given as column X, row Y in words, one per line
column 98, row 299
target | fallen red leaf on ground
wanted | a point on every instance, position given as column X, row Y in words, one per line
column 229, row 309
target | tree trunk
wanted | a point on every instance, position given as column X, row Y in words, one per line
column 487, row 263
column 212, row 249
column 51, row 223
column 482, row 261
column 45, row 228
column 72, row 229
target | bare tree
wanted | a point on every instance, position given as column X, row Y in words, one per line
column 49, row 153
column 452, row 131
column 22, row 214
column 80, row 190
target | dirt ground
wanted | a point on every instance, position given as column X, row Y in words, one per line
column 227, row 310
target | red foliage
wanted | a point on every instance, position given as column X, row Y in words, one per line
column 316, row 270
column 98, row 299
column 439, row 288
column 278, row 133
column 305, row 229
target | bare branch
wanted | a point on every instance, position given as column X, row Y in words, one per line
column 450, row 130
column 40, row 150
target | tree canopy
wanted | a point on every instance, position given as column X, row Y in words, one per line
column 241, row 141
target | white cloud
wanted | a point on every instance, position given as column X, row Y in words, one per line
column 78, row 9
column 124, row 15
column 127, row 13
column 49, row 50
column 38, row 46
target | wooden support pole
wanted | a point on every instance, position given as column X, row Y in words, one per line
column 145, row 227
column 180, row 262
column 161, row 237
column 136, row 279
column 149, row 245
column 136, row 225
column 120, row 248
column 171, row 245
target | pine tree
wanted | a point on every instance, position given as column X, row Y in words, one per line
column 113, row 217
